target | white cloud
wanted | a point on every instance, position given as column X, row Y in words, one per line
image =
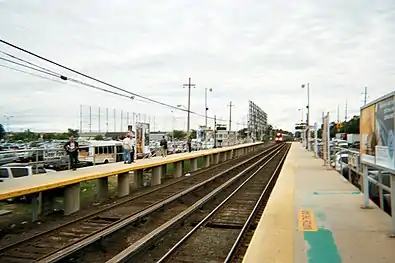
column 244, row 50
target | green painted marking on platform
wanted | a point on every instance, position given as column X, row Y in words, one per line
column 322, row 247
column 337, row 193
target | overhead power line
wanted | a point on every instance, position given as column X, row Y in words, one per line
column 89, row 77
column 95, row 79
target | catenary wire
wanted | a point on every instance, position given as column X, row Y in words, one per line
column 95, row 79
column 55, row 74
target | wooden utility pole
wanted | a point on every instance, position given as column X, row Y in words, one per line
column 189, row 85
column 230, row 115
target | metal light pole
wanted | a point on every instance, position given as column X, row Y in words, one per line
column 7, row 122
column 308, row 113
column 205, row 111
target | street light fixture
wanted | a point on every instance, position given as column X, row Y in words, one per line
column 307, row 86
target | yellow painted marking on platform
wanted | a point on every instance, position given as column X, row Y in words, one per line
column 307, row 221
column 115, row 171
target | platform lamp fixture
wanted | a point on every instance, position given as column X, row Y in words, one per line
column 307, row 86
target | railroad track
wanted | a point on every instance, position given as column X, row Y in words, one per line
column 55, row 244
column 218, row 216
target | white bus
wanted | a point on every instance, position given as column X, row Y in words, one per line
column 99, row 152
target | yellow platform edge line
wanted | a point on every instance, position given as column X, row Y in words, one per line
column 97, row 175
column 273, row 240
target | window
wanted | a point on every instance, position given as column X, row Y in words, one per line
column 105, row 150
column 110, row 149
column 96, row 150
column 19, row 172
column 4, row 173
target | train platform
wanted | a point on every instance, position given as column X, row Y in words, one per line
column 71, row 180
column 314, row 215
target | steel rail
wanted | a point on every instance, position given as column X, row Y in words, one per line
column 86, row 241
column 134, row 248
column 249, row 220
column 204, row 220
column 122, row 202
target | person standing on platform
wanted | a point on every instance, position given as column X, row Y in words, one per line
column 71, row 148
column 163, row 144
column 189, row 144
column 127, row 146
column 133, row 148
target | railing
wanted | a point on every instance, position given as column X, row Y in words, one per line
column 372, row 180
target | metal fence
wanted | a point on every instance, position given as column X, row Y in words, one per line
column 374, row 182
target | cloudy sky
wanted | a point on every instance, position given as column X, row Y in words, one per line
column 243, row 50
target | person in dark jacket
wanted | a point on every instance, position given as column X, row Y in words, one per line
column 189, row 144
column 71, row 148
column 163, row 144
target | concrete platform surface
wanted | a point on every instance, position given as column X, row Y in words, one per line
column 314, row 216
column 41, row 182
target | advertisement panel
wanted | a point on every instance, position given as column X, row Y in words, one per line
column 142, row 137
column 377, row 127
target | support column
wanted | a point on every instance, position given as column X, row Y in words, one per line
column 71, row 198
column 137, row 179
column 216, row 158
column 123, row 184
column 193, row 164
column 222, row 157
column 230, row 155
column 178, row 169
column 36, row 203
column 164, row 170
column 156, row 175
column 102, row 188
column 207, row 161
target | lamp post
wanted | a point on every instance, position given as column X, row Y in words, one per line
column 205, row 111
column 307, row 86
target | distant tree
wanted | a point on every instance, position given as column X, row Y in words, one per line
column 179, row 134
column 242, row 133
column 2, row 132
column 73, row 133
column 193, row 134
column 99, row 137
column 26, row 136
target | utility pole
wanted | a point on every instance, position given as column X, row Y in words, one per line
column 90, row 118
column 127, row 118
column 99, row 119
column 365, row 95
column 338, row 113
column 215, row 131
column 115, row 122
column 230, row 115
column 81, row 118
column 121, row 120
column 189, row 85
column 345, row 112
column 106, row 119
column 308, row 114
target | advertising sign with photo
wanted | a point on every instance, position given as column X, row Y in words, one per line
column 377, row 127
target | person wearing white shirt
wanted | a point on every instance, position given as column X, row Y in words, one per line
column 127, row 146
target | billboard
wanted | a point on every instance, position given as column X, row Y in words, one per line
column 142, row 137
column 377, row 127
column 257, row 121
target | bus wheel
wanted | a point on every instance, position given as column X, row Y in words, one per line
column 105, row 161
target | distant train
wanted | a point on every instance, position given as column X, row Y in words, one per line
column 281, row 137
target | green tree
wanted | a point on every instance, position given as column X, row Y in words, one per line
column 179, row 134
column 99, row 137
column 2, row 132
column 242, row 133
column 26, row 136
column 73, row 133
